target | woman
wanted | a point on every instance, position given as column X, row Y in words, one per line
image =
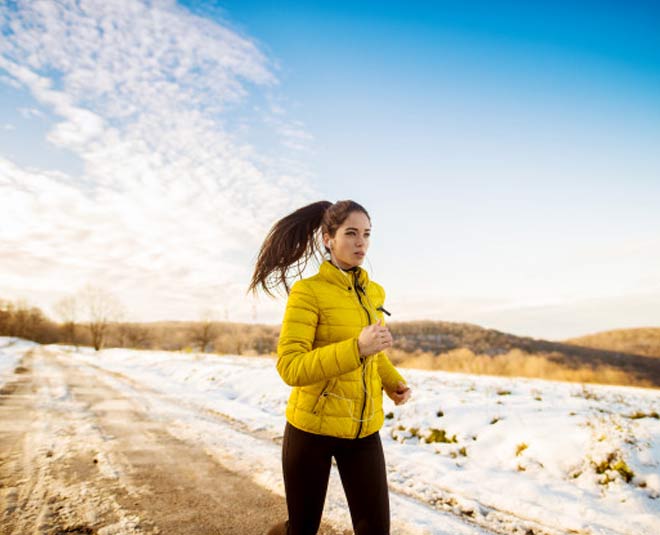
column 331, row 352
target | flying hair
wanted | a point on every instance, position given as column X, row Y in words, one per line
column 296, row 239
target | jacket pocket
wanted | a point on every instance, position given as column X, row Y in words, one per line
column 321, row 399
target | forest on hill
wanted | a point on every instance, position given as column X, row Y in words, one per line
column 468, row 348
column 640, row 341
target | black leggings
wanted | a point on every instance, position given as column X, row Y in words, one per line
column 306, row 460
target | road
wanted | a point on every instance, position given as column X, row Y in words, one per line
column 78, row 456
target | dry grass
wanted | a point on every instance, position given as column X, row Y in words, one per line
column 516, row 363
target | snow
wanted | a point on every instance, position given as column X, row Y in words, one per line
column 520, row 454
column 11, row 351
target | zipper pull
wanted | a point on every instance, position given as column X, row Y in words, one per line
column 383, row 310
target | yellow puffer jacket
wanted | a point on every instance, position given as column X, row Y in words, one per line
column 336, row 392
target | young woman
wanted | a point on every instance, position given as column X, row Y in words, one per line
column 331, row 352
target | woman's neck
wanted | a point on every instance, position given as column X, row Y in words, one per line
column 336, row 264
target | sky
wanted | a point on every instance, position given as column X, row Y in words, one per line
column 507, row 152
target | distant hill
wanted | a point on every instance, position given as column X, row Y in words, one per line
column 473, row 349
column 641, row 341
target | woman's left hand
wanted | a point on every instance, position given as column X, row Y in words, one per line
column 400, row 395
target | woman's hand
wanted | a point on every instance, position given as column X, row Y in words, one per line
column 400, row 395
column 374, row 338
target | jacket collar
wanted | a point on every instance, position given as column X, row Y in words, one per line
column 338, row 276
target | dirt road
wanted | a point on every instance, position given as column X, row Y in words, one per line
column 80, row 457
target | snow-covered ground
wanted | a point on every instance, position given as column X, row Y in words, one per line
column 11, row 351
column 509, row 455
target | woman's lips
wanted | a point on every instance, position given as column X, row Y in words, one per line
column 359, row 254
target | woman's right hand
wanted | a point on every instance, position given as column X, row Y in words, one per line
column 374, row 338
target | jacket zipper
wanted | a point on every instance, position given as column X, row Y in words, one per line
column 364, row 383
column 362, row 304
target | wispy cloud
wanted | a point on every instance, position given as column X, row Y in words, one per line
column 8, row 81
column 29, row 113
column 171, row 205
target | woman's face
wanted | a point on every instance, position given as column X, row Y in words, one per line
column 349, row 245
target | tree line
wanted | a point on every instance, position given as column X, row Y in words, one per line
column 93, row 318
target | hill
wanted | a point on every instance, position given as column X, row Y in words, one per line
column 472, row 349
column 640, row 341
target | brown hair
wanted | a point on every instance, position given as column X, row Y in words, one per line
column 295, row 239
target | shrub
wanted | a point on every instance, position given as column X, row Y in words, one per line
column 637, row 415
column 611, row 464
column 439, row 435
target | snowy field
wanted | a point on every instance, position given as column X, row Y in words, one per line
column 501, row 454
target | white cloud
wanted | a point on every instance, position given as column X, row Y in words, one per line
column 9, row 82
column 293, row 134
column 29, row 113
column 7, row 127
column 171, row 207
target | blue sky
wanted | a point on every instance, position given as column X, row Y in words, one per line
column 508, row 153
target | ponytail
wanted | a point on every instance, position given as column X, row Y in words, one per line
column 294, row 239
column 290, row 243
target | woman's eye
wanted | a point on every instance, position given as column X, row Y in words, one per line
column 352, row 233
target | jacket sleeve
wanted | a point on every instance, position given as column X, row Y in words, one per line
column 297, row 363
column 388, row 374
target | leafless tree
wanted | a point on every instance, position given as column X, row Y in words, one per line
column 25, row 320
column 6, row 313
column 205, row 331
column 102, row 308
column 67, row 309
column 133, row 335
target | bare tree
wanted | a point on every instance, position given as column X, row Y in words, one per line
column 263, row 341
column 102, row 308
column 26, row 320
column 138, row 336
column 133, row 335
column 6, row 313
column 205, row 331
column 67, row 309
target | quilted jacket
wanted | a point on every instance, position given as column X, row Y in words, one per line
column 336, row 392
